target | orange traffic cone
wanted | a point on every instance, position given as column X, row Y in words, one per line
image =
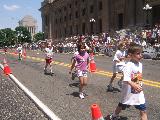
column 92, row 64
column 96, row 113
column 6, row 69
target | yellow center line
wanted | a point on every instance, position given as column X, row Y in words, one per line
column 100, row 72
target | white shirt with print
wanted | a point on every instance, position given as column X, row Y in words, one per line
column 130, row 97
column 49, row 53
column 117, row 57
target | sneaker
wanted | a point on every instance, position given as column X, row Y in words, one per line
column 109, row 88
column 110, row 117
column 120, row 83
column 52, row 73
column 45, row 71
column 81, row 95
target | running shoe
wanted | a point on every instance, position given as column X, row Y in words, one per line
column 45, row 71
column 110, row 117
column 120, row 83
column 52, row 73
column 109, row 88
column 81, row 95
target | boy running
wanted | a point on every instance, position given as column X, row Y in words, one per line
column 20, row 51
column 132, row 92
column 48, row 58
column 80, row 62
column 118, row 64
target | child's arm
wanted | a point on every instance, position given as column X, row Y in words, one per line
column 135, row 86
column 72, row 66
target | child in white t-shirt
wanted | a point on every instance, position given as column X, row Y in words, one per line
column 48, row 58
column 132, row 92
column 118, row 64
column 20, row 51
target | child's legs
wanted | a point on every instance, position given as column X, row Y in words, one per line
column 50, row 67
column 142, row 109
column 83, row 79
column 46, row 65
column 117, row 110
column 143, row 115
column 81, row 83
column 112, row 78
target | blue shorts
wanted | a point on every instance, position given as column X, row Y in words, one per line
column 141, row 107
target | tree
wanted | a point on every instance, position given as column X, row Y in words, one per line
column 23, row 35
column 38, row 36
column 7, row 37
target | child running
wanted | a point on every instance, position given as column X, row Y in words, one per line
column 118, row 64
column 80, row 62
column 20, row 51
column 132, row 92
column 48, row 57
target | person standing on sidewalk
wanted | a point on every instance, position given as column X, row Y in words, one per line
column 132, row 92
column 80, row 62
column 48, row 58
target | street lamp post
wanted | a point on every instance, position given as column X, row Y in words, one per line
column 92, row 21
column 147, row 8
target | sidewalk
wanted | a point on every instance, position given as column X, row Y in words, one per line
column 15, row 105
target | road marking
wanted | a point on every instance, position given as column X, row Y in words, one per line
column 40, row 104
column 101, row 72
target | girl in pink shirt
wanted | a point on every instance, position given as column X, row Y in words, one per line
column 80, row 62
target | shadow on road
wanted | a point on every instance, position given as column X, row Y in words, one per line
column 114, row 90
column 74, row 85
column 120, row 118
column 74, row 94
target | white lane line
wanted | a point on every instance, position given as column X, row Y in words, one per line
column 43, row 107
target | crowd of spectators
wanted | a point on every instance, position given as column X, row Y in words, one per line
column 106, row 43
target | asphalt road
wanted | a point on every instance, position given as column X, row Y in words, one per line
column 60, row 93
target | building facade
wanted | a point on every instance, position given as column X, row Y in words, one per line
column 65, row 18
column 30, row 23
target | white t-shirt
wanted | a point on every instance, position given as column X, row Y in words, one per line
column 129, row 96
column 117, row 57
column 49, row 53
column 19, row 49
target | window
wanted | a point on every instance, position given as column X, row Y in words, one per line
column 83, row 12
column 91, row 9
column 76, row 3
column 46, row 20
column 83, row 28
column 65, row 8
column 56, row 21
column 70, row 6
column 100, row 5
column 70, row 30
column 70, row 16
column 65, row 18
column 76, row 14
column 100, row 25
column 60, row 20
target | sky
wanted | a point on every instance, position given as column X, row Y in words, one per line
column 11, row 11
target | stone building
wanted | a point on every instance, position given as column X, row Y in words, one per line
column 64, row 18
column 30, row 23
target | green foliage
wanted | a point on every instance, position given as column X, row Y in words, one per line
column 38, row 36
column 7, row 37
column 23, row 35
